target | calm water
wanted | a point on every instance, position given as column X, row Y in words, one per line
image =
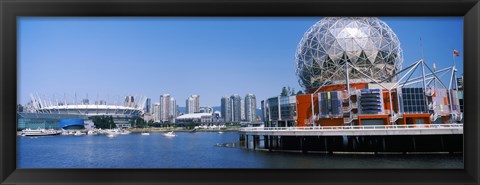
column 195, row 150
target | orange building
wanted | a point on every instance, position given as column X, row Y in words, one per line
column 333, row 106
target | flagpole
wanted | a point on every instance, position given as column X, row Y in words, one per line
column 434, row 79
column 454, row 69
column 453, row 56
column 455, row 75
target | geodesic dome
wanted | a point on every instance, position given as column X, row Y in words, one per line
column 367, row 43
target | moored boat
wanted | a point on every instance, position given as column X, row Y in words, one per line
column 112, row 132
column 91, row 132
column 79, row 133
column 144, row 133
column 170, row 134
column 39, row 132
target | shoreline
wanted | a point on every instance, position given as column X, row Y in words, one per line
column 139, row 130
column 168, row 129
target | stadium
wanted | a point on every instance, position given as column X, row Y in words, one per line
column 43, row 113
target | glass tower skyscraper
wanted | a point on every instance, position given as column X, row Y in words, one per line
column 250, row 107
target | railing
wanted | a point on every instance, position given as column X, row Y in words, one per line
column 365, row 127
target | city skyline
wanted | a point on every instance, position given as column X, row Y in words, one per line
column 154, row 56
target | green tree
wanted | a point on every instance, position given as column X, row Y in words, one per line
column 140, row 123
column 189, row 125
column 103, row 122
column 284, row 91
column 287, row 91
column 292, row 91
column 150, row 123
column 299, row 93
column 110, row 120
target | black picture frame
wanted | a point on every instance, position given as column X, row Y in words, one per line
column 11, row 9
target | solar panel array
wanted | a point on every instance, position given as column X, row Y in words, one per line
column 371, row 101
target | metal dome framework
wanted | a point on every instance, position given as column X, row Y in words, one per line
column 366, row 43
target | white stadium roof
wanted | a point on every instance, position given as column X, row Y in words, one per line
column 194, row 116
column 90, row 107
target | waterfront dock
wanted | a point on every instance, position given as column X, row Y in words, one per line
column 429, row 138
column 370, row 130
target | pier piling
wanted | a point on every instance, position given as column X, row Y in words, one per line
column 373, row 144
column 246, row 141
column 254, row 142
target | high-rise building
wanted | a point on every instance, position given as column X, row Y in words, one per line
column 148, row 104
column 206, row 110
column 236, row 107
column 226, row 109
column 19, row 108
column 129, row 101
column 85, row 101
column 242, row 109
column 193, row 104
column 100, row 102
column 173, row 110
column 164, row 107
column 156, row 112
column 216, row 116
column 250, row 107
column 189, row 105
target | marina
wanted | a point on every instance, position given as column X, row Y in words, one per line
column 38, row 132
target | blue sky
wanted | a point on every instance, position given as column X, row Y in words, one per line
column 113, row 57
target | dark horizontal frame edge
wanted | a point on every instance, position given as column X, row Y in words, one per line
column 243, row 176
column 239, row 8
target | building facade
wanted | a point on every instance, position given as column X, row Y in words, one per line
column 129, row 101
column 242, row 110
column 236, row 108
column 85, row 101
column 216, row 116
column 156, row 112
column 226, row 109
column 148, row 106
column 250, row 107
column 49, row 121
column 195, row 118
column 164, row 108
column 206, row 110
column 193, row 104
column 189, row 106
column 173, row 110
column 280, row 111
